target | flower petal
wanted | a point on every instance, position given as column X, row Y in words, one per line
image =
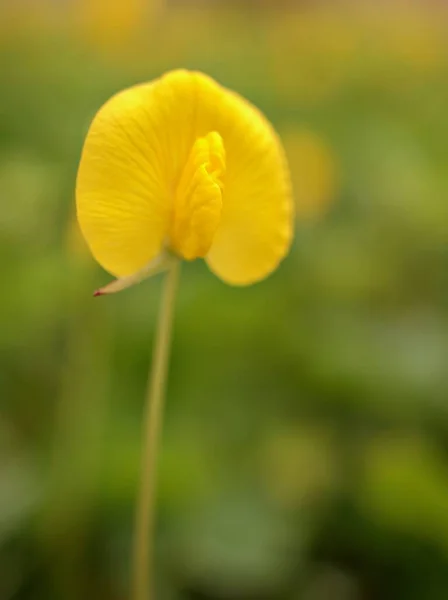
column 198, row 198
column 132, row 157
column 256, row 225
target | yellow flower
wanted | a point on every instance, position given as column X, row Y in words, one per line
column 184, row 166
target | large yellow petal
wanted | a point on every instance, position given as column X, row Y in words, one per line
column 256, row 225
column 131, row 160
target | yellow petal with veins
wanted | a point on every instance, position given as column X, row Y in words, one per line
column 184, row 164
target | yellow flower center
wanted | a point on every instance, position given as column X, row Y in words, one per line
column 198, row 198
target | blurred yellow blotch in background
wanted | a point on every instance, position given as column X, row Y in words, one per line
column 314, row 171
column 311, row 53
column 316, row 53
column 115, row 25
column 26, row 16
column 412, row 36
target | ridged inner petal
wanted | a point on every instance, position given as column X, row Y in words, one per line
column 198, row 198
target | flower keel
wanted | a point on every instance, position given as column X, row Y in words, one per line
column 198, row 199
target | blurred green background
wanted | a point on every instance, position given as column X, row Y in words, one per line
column 305, row 448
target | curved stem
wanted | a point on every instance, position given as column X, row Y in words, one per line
column 143, row 584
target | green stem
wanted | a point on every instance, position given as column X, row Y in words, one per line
column 143, row 580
